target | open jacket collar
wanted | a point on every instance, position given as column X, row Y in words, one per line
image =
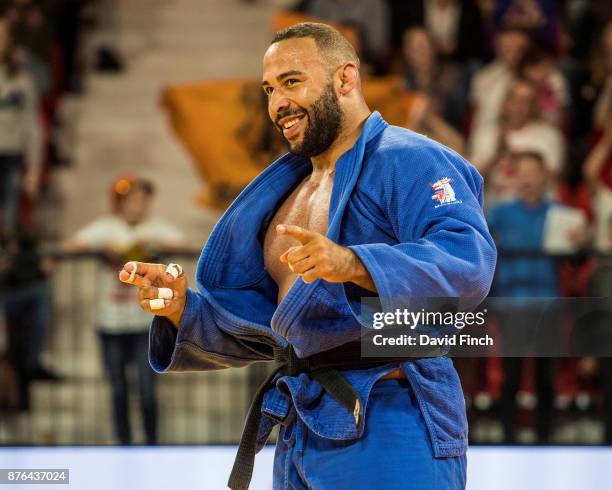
column 233, row 255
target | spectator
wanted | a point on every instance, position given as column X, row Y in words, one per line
column 602, row 78
column 518, row 129
column 32, row 37
column 30, row 28
column 491, row 83
column 127, row 234
column 423, row 118
column 27, row 304
column 598, row 174
column 588, row 70
column 518, row 226
column 540, row 17
column 455, row 26
column 539, row 67
column 445, row 84
column 20, row 134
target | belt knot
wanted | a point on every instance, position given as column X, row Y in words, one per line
column 291, row 364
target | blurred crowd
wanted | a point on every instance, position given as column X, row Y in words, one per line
column 39, row 44
column 521, row 88
column 42, row 61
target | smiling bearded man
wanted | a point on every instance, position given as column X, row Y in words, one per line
column 349, row 213
column 324, row 121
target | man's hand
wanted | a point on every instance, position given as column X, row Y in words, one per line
column 319, row 258
column 162, row 288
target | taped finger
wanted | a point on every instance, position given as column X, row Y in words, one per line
column 133, row 271
column 165, row 293
column 157, row 304
column 175, row 270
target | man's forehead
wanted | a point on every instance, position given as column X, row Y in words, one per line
column 291, row 54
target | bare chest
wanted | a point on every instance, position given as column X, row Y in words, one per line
column 308, row 207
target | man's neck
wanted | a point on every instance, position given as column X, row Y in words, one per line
column 325, row 163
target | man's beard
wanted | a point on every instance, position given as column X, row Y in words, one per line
column 324, row 125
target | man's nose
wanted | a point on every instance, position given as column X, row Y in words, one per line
column 278, row 105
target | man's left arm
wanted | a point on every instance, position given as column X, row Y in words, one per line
column 444, row 246
column 444, row 249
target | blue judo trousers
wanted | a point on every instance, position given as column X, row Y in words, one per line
column 411, row 209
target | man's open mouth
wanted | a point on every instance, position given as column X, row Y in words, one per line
column 291, row 125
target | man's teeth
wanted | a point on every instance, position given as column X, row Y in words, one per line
column 288, row 124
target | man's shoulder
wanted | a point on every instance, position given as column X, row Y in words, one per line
column 398, row 148
column 400, row 161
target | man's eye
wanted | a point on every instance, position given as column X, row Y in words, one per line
column 291, row 81
column 268, row 90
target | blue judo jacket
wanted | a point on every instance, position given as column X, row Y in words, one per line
column 411, row 209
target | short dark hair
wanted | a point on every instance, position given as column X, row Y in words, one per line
column 333, row 46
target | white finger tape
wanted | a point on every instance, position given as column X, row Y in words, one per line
column 174, row 270
column 133, row 272
column 165, row 293
column 157, row 304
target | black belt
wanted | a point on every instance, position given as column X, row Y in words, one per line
column 323, row 368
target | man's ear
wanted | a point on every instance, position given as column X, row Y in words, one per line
column 348, row 78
